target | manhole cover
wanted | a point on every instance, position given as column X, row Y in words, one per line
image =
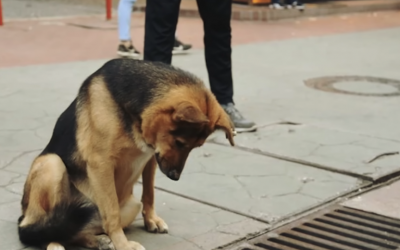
column 356, row 85
column 340, row 228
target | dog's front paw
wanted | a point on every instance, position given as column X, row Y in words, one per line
column 155, row 224
column 133, row 245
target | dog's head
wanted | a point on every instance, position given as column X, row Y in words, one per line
column 181, row 124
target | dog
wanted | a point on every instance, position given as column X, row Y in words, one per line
column 128, row 117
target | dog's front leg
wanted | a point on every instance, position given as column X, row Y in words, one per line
column 101, row 179
column 152, row 222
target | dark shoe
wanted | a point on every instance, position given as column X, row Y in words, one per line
column 130, row 52
column 180, row 47
column 241, row 124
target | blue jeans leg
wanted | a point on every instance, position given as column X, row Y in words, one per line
column 124, row 19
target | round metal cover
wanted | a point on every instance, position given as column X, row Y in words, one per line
column 328, row 84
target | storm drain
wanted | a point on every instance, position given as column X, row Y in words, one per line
column 328, row 84
column 341, row 228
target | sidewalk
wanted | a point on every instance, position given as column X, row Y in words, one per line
column 312, row 146
column 91, row 38
column 245, row 12
column 188, row 8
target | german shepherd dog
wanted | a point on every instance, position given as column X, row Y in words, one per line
column 128, row 117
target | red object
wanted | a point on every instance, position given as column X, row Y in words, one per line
column 108, row 9
column 1, row 14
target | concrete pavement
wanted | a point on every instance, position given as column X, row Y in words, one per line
column 188, row 8
column 42, row 8
column 312, row 146
column 69, row 39
column 383, row 201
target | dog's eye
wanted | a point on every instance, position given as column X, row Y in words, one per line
column 179, row 144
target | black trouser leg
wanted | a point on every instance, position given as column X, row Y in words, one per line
column 216, row 15
column 160, row 27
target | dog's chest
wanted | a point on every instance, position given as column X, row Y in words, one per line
column 130, row 167
column 138, row 164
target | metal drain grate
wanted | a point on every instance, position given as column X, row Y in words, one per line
column 341, row 228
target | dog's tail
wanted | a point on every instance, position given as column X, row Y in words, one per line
column 60, row 225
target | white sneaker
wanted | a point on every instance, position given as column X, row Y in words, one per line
column 276, row 6
column 129, row 52
column 180, row 47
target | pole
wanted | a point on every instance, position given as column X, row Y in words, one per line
column 108, row 9
column 1, row 14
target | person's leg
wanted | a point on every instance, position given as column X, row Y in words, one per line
column 288, row 4
column 124, row 19
column 160, row 27
column 216, row 17
column 125, row 47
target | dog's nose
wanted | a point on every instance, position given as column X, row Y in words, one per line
column 174, row 175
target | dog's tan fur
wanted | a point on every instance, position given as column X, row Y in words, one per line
column 114, row 159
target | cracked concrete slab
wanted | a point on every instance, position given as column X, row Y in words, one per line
column 210, row 226
column 8, row 237
column 384, row 200
column 7, row 177
column 332, row 149
column 255, row 185
column 7, row 196
column 10, row 212
column 22, row 163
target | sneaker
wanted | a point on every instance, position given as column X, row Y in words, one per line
column 298, row 5
column 130, row 52
column 241, row 124
column 180, row 47
column 276, row 6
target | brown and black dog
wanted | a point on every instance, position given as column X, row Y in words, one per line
column 128, row 117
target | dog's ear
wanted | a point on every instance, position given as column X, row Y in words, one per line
column 225, row 123
column 186, row 112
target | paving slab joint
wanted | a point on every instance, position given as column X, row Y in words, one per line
column 298, row 161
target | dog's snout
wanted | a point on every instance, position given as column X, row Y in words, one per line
column 174, row 175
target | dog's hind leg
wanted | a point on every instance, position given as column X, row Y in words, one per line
column 50, row 212
column 93, row 237
column 46, row 186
